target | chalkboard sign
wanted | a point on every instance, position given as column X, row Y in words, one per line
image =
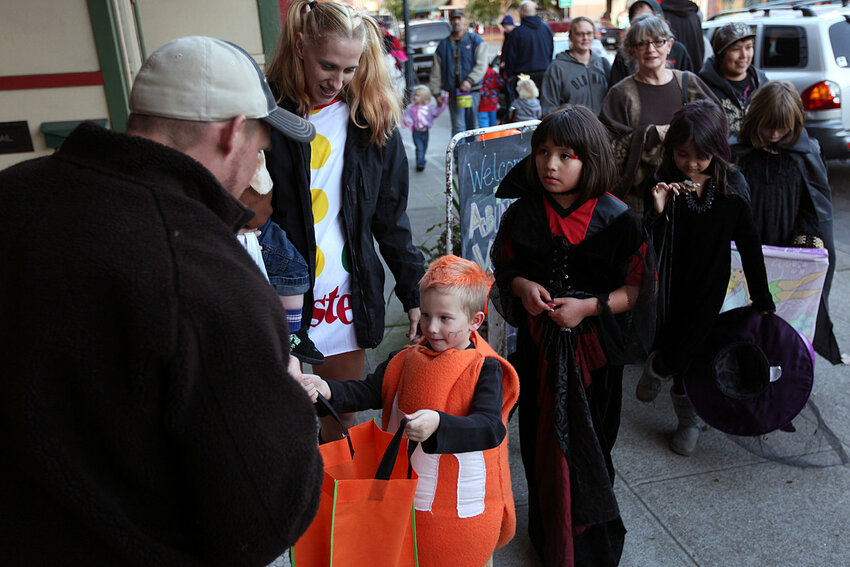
column 482, row 165
column 15, row 137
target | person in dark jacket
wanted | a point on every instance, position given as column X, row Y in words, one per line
column 459, row 66
column 686, row 22
column 730, row 72
column 577, row 75
column 624, row 65
column 529, row 47
column 347, row 189
column 148, row 415
column 791, row 196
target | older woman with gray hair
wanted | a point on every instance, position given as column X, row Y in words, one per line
column 638, row 109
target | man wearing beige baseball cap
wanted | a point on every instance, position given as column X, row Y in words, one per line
column 148, row 414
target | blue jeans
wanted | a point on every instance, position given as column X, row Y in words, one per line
column 487, row 119
column 464, row 118
column 420, row 140
column 285, row 266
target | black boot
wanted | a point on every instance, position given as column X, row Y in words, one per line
column 303, row 348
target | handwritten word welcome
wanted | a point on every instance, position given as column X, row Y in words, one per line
column 490, row 171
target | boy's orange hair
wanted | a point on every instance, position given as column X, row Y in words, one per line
column 463, row 278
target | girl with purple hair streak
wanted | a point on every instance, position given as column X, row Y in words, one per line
column 700, row 204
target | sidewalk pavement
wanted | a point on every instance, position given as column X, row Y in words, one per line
column 722, row 506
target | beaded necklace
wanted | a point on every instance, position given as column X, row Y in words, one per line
column 703, row 204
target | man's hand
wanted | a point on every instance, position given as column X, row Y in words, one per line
column 422, row 425
column 439, row 99
column 465, row 86
column 294, row 368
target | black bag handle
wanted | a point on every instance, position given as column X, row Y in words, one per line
column 385, row 469
column 322, row 401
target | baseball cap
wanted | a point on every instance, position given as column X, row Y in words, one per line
column 729, row 34
column 456, row 14
column 204, row 79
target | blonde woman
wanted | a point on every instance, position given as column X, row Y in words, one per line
column 346, row 188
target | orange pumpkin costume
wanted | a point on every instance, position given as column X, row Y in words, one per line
column 464, row 502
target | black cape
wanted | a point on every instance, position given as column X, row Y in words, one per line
column 807, row 156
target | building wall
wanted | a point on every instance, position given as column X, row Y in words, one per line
column 44, row 37
column 76, row 59
column 234, row 21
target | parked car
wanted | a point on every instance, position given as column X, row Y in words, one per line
column 423, row 38
column 559, row 26
column 610, row 35
column 810, row 46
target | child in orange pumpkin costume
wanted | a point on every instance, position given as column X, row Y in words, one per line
column 458, row 393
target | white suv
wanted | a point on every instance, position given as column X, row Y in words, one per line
column 808, row 45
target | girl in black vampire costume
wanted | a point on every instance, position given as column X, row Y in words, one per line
column 791, row 197
column 575, row 275
column 699, row 206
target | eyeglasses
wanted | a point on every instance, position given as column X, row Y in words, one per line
column 583, row 34
column 644, row 45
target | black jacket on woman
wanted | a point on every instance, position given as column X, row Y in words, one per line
column 808, row 160
column 374, row 203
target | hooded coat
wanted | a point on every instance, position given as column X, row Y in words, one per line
column 568, row 80
column 529, row 47
column 686, row 24
column 722, row 88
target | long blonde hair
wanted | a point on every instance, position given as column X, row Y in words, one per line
column 369, row 95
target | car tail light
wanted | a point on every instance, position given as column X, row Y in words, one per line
column 821, row 96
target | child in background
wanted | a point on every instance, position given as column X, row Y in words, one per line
column 526, row 107
column 789, row 187
column 569, row 258
column 710, row 211
column 488, row 105
column 280, row 262
column 458, row 393
column 419, row 118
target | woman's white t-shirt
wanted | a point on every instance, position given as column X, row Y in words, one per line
column 332, row 327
